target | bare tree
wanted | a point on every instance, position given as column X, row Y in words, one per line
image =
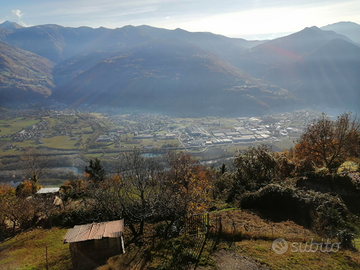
column 34, row 166
column 140, row 180
column 141, row 190
column 20, row 211
column 131, row 193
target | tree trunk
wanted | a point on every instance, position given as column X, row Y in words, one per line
column 14, row 226
column 134, row 232
column 167, row 228
column 141, row 229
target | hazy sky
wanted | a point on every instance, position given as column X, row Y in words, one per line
column 228, row 17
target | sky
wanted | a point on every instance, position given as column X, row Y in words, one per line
column 251, row 19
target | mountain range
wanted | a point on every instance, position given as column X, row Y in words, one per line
column 180, row 72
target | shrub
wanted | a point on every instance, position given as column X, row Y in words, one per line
column 326, row 214
column 341, row 184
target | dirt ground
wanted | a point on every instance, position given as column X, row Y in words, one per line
column 231, row 261
column 251, row 223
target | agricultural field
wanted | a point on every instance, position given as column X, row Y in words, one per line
column 73, row 130
column 102, row 135
column 11, row 126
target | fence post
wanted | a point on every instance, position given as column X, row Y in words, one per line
column 220, row 225
column 185, row 226
column 208, row 223
column 153, row 239
column 47, row 262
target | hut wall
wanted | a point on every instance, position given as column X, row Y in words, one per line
column 93, row 253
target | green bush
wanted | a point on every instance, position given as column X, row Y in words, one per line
column 82, row 216
column 341, row 184
column 326, row 214
column 181, row 255
column 280, row 203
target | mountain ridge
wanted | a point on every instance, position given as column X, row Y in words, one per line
column 291, row 63
column 169, row 74
column 23, row 75
column 225, row 74
column 58, row 43
column 10, row 25
column 349, row 29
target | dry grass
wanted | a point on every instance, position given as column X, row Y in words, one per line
column 252, row 225
column 254, row 248
column 27, row 250
column 134, row 258
column 261, row 251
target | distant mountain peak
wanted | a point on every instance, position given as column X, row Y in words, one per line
column 348, row 29
column 296, row 44
column 319, row 34
column 180, row 30
column 10, row 25
column 342, row 23
column 313, row 27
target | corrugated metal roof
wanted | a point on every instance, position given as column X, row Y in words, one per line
column 48, row 190
column 92, row 231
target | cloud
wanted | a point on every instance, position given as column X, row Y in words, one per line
column 17, row 13
column 229, row 17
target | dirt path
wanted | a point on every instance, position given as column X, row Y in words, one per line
column 231, row 261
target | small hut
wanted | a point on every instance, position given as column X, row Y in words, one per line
column 92, row 244
column 51, row 194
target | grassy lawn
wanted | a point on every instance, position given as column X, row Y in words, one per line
column 97, row 115
column 86, row 137
column 261, row 251
column 285, row 144
column 87, row 129
column 91, row 155
column 357, row 243
column 62, row 142
column 28, row 251
column 15, row 125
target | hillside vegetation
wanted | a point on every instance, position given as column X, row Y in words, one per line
column 23, row 74
column 28, row 250
column 186, row 78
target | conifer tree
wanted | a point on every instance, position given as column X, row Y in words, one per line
column 95, row 171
